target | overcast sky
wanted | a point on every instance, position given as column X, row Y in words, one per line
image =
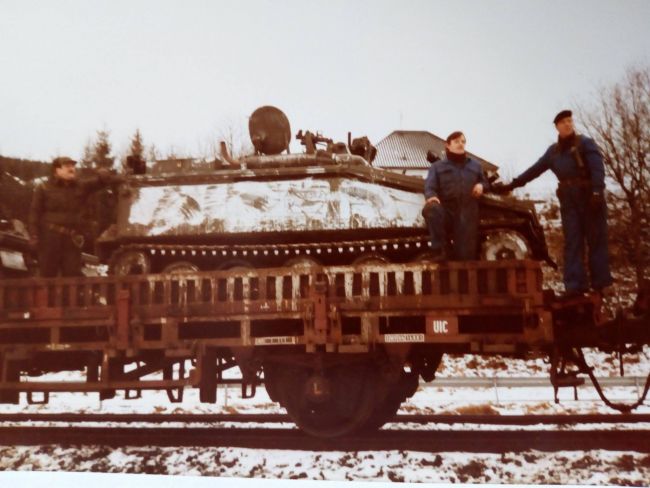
column 182, row 71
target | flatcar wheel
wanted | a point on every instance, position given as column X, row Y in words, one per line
column 332, row 403
column 386, row 410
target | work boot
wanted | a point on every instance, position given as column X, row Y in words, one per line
column 602, row 291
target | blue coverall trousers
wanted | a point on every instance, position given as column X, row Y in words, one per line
column 583, row 224
column 453, row 228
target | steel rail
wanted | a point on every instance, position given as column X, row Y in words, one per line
column 210, row 418
column 494, row 382
column 275, row 438
column 453, row 382
column 525, row 382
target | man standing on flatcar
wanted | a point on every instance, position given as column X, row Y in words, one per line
column 578, row 165
column 55, row 225
column 452, row 190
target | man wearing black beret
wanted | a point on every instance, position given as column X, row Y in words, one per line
column 578, row 165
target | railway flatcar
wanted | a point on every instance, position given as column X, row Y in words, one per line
column 339, row 347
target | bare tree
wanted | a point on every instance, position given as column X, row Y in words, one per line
column 152, row 153
column 619, row 121
column 234, row 133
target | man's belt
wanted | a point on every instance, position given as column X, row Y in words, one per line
column 574, row 182
column 77, row 238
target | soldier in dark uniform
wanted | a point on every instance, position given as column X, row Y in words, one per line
column 452, row 191
column 55, row 225
column 578, row 165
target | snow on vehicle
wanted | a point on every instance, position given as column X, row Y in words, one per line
column 324, row 206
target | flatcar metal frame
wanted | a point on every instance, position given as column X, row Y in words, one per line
column 225, row 318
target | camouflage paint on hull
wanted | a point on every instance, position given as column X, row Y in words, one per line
column 270, row 206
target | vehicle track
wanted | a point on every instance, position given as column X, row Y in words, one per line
column 491, row 441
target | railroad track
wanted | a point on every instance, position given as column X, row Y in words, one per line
column 491, row 441
column 263, row 418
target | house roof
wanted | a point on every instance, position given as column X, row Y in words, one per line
column 407, row 149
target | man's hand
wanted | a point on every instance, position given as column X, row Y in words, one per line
column 110, row 177
column 432, row 201
column 501, row 189
column 477, row 191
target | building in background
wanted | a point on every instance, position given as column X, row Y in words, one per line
column 405, row 152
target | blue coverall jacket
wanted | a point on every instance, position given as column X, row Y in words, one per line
column 582, row 221
column 456, row 218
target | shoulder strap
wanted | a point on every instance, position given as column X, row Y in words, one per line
column 575, row 150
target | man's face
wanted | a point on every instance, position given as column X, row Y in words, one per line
column 66, row 172
column 457, row 146
column 565, row 127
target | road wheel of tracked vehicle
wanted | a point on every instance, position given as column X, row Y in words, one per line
column 426, row 257
column 504, row 245
column 235, row 265
column 130, row 262
column 329, row 403
column 303, row 262
column 181, row 267
column 370, row 258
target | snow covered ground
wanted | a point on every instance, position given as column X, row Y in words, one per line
column 597, row 467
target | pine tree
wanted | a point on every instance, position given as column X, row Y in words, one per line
column 102, row 151
column 88, row 155
column 137, row 147
column 135, row 162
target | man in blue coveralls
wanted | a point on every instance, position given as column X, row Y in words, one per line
column 578, row 165
column 452, row 190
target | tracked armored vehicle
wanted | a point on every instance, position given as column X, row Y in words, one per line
column 327, row 206
column 15, row 256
